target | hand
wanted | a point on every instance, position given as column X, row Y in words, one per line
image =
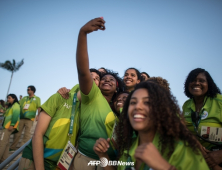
column 149, row 154
column 37, row 117
column 93, row 25
column 10, row 128
column 1, row 110
column 64, row 92
column 216, row 156
column 101, row 146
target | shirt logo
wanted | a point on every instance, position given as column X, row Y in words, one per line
column 67, row 106
column 186, row 113
column 34, row 98
column 205, row 114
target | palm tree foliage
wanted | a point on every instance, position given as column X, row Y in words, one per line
column 12, row 67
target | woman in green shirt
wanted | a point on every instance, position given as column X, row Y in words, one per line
column 10, row 125
column 162, row 140
column 203, row 111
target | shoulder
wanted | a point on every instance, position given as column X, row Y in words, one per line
column 187, row 103
column 218, row 98
column 16, row 105
column 36, row 97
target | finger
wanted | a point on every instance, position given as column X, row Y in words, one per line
column 100, row 20
column 102, row 147
column 104, row 143
column 97, row 149
column 108, row 140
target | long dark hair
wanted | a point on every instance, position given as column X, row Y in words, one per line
column 14, row 97
column 2, row 102
column 212, row 87
column 166, row 117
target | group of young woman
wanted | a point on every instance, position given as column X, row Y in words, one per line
column 126, row 120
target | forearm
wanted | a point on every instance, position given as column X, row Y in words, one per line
column 82, row 59
column 39, row 109
column 37, row 142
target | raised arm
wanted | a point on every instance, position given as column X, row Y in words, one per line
column 82, row 60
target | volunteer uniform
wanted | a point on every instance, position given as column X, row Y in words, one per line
column 27, row 116
column 182, row 158
column 96, row 121
column 211, row 116
column 56, row 136
column 11, row 118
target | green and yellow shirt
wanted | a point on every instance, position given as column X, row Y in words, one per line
column 12, row 117
column 182, row 158
column 96, row 121
column 56, row 136
column 29, row 113
column 211, row 115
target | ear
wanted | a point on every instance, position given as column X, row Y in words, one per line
column 138, row 81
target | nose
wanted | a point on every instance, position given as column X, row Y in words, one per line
column 138, row 105
column 119, row 99
column 107, row 79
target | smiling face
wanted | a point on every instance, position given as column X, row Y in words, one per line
column 139, row 111
column 10, row 100
column 95, row 77
column 120, row 101
column 199, row 87
column 108, row 83
column 130, row 79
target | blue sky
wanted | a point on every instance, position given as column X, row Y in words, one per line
column 163, row 38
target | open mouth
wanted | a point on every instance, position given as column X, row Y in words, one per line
column 139, row 117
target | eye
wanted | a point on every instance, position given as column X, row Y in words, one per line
column 132, row 102
column 202, row 81
column 146, row 102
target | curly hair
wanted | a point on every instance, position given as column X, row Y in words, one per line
column 212, row 87
column 119, row 84
column 166, row 117
column 162, row 82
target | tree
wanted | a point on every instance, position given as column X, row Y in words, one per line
column 12, row 67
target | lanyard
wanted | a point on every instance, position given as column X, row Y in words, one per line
column 194, row 117
column 72, row 115
column 28, row 98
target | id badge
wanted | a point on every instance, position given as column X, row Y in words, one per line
column 67, row 156
column 212, row 133
column 26, row 107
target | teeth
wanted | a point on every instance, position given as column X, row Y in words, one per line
column 196, row 88
column 139, row 116
column 119, row 103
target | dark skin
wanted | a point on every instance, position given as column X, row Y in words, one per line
column 198, row 88
column 82, row 60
